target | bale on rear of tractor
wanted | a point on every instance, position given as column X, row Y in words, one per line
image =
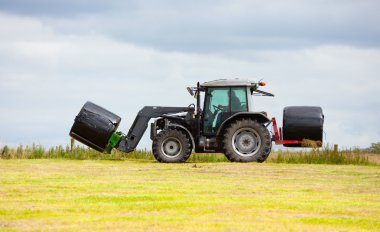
column 303, row 123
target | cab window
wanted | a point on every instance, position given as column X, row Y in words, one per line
column 238, row 100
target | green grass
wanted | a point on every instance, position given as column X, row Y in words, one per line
column 324, row 155
column 75, row 195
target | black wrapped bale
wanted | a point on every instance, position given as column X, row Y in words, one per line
column 94, row 126
column 303, row 123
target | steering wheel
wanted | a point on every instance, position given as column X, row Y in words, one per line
column 218, row 107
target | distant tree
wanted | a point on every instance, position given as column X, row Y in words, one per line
column 4, row 154
column 375, row 147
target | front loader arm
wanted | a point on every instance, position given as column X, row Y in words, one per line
column 129, row 142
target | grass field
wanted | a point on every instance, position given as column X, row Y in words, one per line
column 75, row 195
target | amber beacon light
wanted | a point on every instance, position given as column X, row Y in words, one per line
column 262, row 83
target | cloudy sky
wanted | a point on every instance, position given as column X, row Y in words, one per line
column 122, row 55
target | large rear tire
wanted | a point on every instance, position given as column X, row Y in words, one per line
column 171, row 146
column 246, row 140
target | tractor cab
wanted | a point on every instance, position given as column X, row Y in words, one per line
column 220, row 103
column 225, row 98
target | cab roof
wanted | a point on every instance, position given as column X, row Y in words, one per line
column 229, row 82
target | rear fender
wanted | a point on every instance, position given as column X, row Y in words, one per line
column 258, row 116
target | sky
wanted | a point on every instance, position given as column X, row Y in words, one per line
column 125, row 54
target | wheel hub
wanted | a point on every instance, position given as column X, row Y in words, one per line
column 171, row 147
column 246, row 142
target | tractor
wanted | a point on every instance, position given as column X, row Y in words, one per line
column 225, row 122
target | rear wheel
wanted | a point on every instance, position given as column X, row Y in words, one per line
column 171, row 146
column 246, row 140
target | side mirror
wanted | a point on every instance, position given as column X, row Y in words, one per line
column 190, row 91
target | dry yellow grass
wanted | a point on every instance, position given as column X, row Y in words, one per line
column 311, row 143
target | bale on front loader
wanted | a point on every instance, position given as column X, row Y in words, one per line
column 95, row 126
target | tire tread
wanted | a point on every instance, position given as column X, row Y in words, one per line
column 266, row 142
column 184, row 140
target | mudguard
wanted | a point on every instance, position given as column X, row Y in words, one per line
column 258, row 116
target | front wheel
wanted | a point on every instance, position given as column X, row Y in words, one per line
column 246, row 140
column 171, row 146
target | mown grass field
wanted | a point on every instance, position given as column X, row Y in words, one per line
column 98, row 195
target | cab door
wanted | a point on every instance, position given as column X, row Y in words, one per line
column 217, row 102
